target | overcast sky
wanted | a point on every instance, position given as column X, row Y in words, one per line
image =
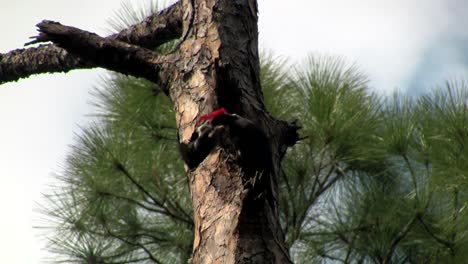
column 406, row 44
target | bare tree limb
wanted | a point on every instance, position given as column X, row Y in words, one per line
column 156, row 29
column 23, row 63
column 107, row 53
column 152, row 32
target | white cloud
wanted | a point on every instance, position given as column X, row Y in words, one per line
column 386, row 38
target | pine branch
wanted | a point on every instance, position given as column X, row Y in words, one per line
column 136, row 260
column 133, row 201
column 122, row 254
column 354, row 230
column 135, row 244
column 108, row 234
column 440, row 240
column 340, row 173
column 400, row 236
column 413, row 176
column 120, row 167
column 455, row 214
column 176, row 205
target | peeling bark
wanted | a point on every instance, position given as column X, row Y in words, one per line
column 235, row 221
column 215, row 65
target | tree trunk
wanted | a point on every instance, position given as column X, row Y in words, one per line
column 218, row 66
column 215, row 65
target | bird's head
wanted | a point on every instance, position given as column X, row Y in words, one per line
column 208, row 118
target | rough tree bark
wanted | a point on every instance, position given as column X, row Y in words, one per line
column 216, row 64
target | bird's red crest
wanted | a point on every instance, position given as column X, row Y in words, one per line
column 209, row 117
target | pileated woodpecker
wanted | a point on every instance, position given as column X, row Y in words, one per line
column 218, row 129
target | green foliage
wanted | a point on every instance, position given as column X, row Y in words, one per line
column 444, row 125
column 281, row 99
column 375, row 180
column 336, row 101
column 124, row 196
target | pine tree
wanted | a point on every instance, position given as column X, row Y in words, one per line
column 371, row 180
